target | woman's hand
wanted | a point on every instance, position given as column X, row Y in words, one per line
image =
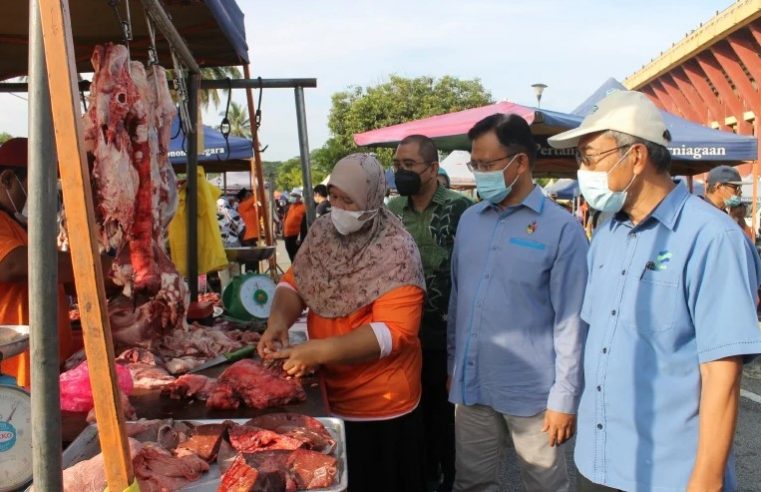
column 274, row 338
column 302, row 360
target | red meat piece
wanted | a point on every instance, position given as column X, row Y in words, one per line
column 204, row 441
column 240, row 477
column 312, row 470
column 190, row 386
column 157, row 470
column 254, row 384
column 247, row 439
column 306, row 429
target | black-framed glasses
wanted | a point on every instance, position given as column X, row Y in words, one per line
column 407, row 164
column 734, row 187
column 486, row 166
column 585, row 159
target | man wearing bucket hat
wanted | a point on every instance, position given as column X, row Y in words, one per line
column 14, row 297
column 670, row 303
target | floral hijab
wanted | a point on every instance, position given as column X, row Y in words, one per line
column 335, row 274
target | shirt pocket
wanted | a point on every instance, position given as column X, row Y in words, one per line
column 527, row 262
column 650, row 303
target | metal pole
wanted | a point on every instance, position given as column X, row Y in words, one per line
column 257, row 83
column 191, row 189
column 306, row 167
column 164, row 24
column 43, row 269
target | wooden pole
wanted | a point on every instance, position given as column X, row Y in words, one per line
column 88, row 274
column 257, row 175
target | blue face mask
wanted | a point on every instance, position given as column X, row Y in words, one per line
column 732, row 201
column 491, row 185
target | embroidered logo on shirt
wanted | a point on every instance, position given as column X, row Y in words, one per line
column 662, row 259
column 531, row 228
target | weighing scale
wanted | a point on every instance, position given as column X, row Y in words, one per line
column 15, row 416
column 249, row 297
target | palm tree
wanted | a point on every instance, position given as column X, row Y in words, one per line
column 212, row 95
column 240, row 125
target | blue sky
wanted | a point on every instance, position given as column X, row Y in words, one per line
column 572, row 46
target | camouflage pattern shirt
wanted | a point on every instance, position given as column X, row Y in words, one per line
column 434, row 230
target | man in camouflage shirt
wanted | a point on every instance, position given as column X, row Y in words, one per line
column 431, row 212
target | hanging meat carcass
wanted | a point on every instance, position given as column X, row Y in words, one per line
column 127, row 132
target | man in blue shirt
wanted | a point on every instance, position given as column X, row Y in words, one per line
column 514, row 329
column 670, row 304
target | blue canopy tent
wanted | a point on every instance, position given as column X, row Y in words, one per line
column 564, row 189
column 218, row 155
column 694, row 148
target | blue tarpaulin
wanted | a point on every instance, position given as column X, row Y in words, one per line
column 215, row 147
column 565, row 189
column 690, row 141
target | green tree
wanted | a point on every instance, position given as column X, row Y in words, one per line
column 211, row 96
column 240, row 126
column 289, row 174
column 4, row 137
column 398, row 100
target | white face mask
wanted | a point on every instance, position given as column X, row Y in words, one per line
column 594, row 186
column 346, row 221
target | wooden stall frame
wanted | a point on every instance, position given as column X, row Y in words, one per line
column 88, row 273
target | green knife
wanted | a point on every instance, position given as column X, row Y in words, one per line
column 228, row 357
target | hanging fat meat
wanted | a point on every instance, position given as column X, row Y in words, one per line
column 127, row 132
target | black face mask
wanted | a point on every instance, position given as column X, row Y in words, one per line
column 407, row 182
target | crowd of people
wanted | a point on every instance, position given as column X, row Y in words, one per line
column 443, row 328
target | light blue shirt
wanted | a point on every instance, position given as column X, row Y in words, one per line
column 675, row 291
column 514, row 330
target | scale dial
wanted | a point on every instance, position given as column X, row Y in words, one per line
column 15, row 438
column 256, row 294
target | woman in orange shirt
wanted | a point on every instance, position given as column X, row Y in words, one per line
column 360, row 275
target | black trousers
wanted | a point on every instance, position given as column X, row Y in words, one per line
column 386, row 455
column 438, row 419
column 585, row 485
column 292, row 246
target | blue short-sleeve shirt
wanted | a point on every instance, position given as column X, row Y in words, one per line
column 676, row 290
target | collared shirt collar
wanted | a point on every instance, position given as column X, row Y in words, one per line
column 534, row 201
column 666, row 212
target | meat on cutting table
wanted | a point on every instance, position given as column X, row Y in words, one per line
column 304, row 428
column 247, row 439
column 248, row 381
column 157, row 470
column 204, row 441
column 190, row 386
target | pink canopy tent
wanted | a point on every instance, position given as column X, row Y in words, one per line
column 450, row 132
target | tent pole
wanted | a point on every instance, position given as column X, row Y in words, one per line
column 43, row 269
column 306, row 167
column 690, row 184
column 191, row 189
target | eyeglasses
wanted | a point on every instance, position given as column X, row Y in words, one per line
column 407, row 164
column 486, row 166
column 734, row 187
column 585, row 159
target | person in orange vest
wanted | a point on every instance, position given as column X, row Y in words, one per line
column 248, row 212
column 14, row 296
column 292, row 224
